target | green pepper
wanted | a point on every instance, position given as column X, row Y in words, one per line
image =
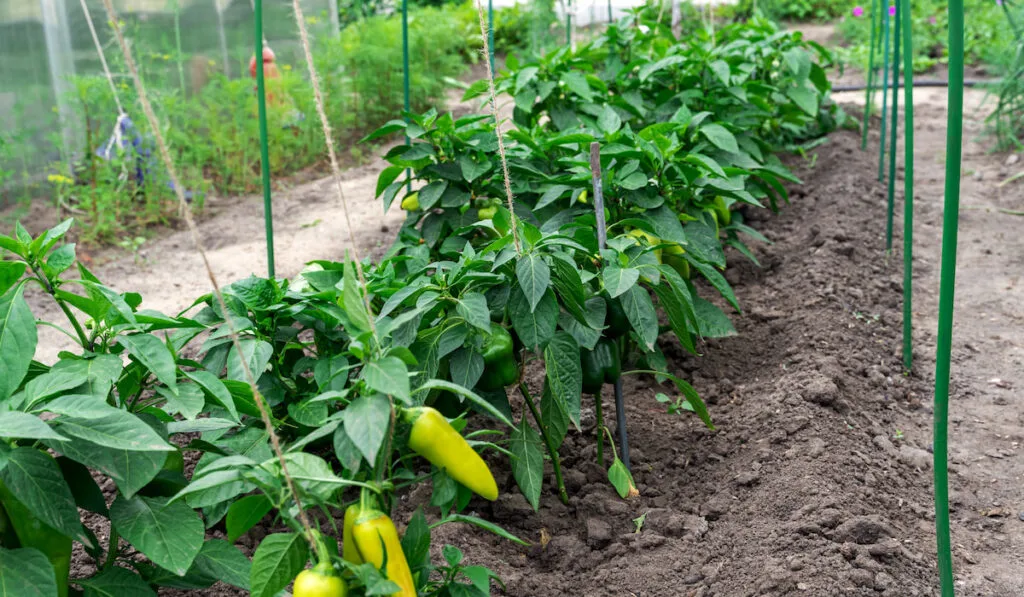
column 600, row 366
column 500, row 367
column 615, row 318
column 33, row 533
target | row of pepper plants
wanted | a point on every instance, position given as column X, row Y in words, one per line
column 372, row 379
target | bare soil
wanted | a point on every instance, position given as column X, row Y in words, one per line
column 817, row 480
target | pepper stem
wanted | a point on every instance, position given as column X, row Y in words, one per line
column 556, row 463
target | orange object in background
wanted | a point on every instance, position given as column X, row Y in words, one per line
column 270, row 73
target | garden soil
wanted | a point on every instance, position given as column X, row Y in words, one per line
column 817, row 479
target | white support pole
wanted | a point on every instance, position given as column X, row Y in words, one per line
column 332, row 6
column 222, row 38
column 62, row 68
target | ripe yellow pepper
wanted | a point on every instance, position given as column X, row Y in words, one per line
column 412, row 202
column 433, row 438
column 319, row 581
column 348, row 542
column 375, row 535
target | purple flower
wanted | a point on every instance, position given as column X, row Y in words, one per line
column 858, row 11
column 892, row 10
column 999, row 2
column 931, row 19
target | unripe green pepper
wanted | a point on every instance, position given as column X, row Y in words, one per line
column 375, row 535
column 319, row 581
column 487, row 213
column 500, row 367
column 33, row 533
column 615, row 320
column 433, row 438
column 600, row 366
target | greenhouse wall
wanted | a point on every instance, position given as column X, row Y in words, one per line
column 48, row 58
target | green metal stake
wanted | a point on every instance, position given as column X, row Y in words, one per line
column 261, row 100
column 869, row 92
column 947, row 288
column 885, row 89
column 405, row 78
column 490, row 32
column 609, row 12
column 908, row 184
column 893, row 122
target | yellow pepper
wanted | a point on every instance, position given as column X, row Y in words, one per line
column 433, row 438
column 375, row 535
column 319, row 581
column 412, row 202
column 650, row 238
column 348, row 542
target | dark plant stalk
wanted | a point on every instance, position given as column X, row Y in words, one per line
column 556, row 463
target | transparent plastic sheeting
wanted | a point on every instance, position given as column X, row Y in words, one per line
column 46, row 47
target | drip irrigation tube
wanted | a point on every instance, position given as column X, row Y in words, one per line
column 925, row 83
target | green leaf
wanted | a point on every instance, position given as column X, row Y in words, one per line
column 26, row 573
column 92, row 420
column 387, row 176
column 534, row 276
column 609, row 121
column 620, row 478
column 634, row 181
column 586, row 335
column 60, row 260
column 352, row 301
column 485, row 525
column 618, row 280
column 214, row 389
column 278, row 559
column 721, row 70
column 154, row 355
column 348, row 454
column 19, row 425
column 528, row 464
column 720, row 137
column 577, row 83
column 331, row 373
column 553, row 417
column 712, row 322
column 431, row 194
column 168, row 533
column 10, row 273
column 472, row 306
column 416, row 542
column 535, row 327
column 465, row 367
column 17, row 340
column 115, row 582
column 367, row 420
column 641, row 314
column 34, row 478
column 473, row 169
column 255, row 354
column 188, row 402
column 218, row 560
column 805, row 99
column 716, row 279
column 798, row 61
column 245, row 513
column 130, row 470
column 388, row 375
column 649, row 69
column 565, row 373
column 666, row 224
column 86, row 492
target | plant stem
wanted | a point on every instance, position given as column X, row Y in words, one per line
column 82, row 338
column 552, row 452
column 111, row 548
column 600, row 428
